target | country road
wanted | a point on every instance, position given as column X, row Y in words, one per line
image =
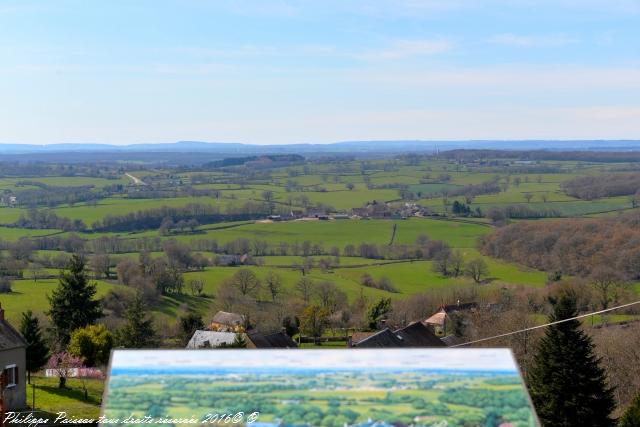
column 136, row 180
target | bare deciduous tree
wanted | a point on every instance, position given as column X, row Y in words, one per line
column 246, row 282
column 528, row 197
column 304, row 287
column 605, row 279
column 273, row 282
column 477, row 269
column 101, row 266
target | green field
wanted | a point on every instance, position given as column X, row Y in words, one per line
column 344, row 232
column 312, row 186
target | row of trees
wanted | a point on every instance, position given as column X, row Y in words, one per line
column 51, row 196
column 48, row 219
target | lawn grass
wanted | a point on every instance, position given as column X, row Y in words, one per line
column 50, row 398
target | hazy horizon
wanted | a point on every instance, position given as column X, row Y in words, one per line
column 373, row 141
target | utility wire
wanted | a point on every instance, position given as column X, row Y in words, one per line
column 547, row 324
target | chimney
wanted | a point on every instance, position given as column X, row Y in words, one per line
column 1, row 313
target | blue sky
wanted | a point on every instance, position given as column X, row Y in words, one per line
column 280, row 71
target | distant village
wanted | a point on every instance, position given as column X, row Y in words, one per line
column 372, row 210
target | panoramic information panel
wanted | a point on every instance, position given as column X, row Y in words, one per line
column 328, row 388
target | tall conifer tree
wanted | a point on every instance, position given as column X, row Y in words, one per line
column 72, row 303
column 37, row 350
column 138, row 331
column 568, row 387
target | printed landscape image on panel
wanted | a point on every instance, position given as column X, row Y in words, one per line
column 325, row 388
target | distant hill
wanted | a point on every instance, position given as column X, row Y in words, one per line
column 225, row 148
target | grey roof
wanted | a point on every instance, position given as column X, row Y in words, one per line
column 358, row 336
column 418, row 335
column 9, row 337
column 276, row 340
column 229, row 319
column 414, row 335
column 384, row 338
column 210, row 339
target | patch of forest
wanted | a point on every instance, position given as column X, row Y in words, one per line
column 571, row 246
column 609, row 185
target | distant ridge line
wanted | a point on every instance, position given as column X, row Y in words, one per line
column 333, row 147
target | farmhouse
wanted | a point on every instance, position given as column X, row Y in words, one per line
column 440, row 320
column 228, row 322
column 360, row 212
column 13, row 364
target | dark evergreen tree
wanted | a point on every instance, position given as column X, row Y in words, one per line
column 631, row 417
column 567, row 385
column 138, row 331
column 188, row 324
column 37, row 350
column 378, row 312
column 72, row 303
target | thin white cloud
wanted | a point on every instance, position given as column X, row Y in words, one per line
column 407, row 48
column 546, row 40
column 516, row 79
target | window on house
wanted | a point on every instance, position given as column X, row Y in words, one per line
column 11, row 375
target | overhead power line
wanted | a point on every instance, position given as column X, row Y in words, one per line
column 547, row 324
